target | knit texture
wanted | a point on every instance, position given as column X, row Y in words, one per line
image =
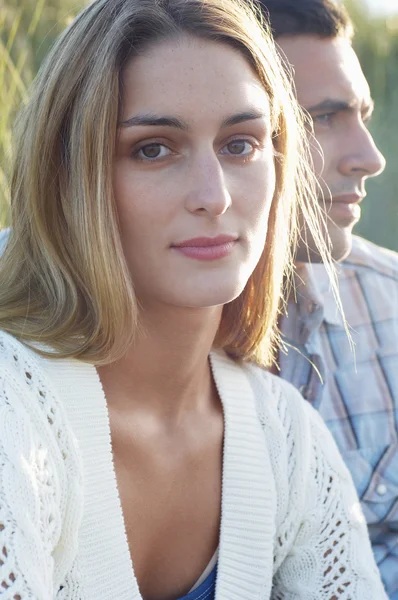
column 291, row 526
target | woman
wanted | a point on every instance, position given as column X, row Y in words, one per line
column 159, row 164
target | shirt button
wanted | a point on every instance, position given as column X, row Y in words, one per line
column 381, row 489
column 312, row 307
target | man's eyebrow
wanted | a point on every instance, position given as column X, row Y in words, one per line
column 166, row 121
column 329, row 104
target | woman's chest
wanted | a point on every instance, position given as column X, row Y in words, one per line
column 170, row 494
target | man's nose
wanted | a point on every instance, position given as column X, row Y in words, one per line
column 362, row 155
column 208, row 193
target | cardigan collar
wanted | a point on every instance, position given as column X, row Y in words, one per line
column 247, row 529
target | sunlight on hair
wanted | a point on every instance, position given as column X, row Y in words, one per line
column 65, row 281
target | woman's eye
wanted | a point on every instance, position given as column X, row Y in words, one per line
column 238, row 148
column 152, row 152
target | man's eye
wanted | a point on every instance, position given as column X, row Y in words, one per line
column 238, row 148
column 323, row 119
column 152, row 151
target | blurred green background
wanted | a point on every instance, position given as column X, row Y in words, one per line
column 28, row 28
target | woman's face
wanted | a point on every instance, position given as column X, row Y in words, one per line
column 194, row 172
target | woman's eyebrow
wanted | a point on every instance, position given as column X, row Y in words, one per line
column 153, row 120
column 167, row 121
column 250, row 115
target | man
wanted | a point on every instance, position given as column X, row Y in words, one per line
column 357, row 395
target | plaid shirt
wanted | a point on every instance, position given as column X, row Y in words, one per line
column 357, row 395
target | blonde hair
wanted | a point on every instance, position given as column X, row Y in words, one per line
column 64, row 279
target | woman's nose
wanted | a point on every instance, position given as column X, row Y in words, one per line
column 208, row 193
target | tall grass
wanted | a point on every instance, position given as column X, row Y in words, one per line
column 28, row 28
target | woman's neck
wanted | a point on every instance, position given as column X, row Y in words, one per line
column 166, row 370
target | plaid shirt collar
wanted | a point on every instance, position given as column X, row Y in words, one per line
column 312, row 287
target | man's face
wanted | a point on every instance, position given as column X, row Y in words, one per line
column 332, row 88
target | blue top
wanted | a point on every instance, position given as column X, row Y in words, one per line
column 206, row 590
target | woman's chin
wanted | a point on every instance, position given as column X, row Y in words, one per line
column 203, row 298
column 187, row 291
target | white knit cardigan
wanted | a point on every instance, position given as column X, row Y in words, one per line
column 291, row 526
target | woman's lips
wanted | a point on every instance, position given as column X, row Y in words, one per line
column 206, row 248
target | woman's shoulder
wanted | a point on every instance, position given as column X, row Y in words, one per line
column 21, row 369
column 40, row 472
column 33, row 416
column 285, row 414
column 20, row 376
column 281, row 406
column 29, row 396
column 277, row 397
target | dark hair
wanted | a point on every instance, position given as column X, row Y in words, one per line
column 324, row 18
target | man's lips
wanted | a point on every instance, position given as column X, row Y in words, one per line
column 344, row 210
column 347, row 199
column 207, row 248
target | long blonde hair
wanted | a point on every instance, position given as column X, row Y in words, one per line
column 64, row 279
